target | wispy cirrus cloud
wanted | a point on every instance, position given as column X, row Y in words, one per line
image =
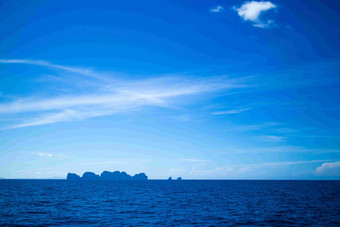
column 234, row 111
column 41, row 154
column 279, row 149
column 216, row 9
column 193, row 160
column 108, row 98
column 251, row 11
column 82, row 71
column 253, row 127
column 271, row 138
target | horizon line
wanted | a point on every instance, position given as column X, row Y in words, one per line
column 165, row 179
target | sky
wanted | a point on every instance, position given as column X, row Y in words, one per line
column 203, row 89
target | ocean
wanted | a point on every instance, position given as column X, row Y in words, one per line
column 169, row 203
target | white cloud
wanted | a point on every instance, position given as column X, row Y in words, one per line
column 272, row 138
column 192, row 160
column 177, row 171
column 82, row 71
column 108, row 98
column 116, row 162
column 181, row 118
column 245, row 170
column 246, row 128
column 41, row 154
column 251, row 11
column 65, row 115
column 207, row 173
column 277, row 149
column 235, row 111
column 216, row 9
column 328, row 169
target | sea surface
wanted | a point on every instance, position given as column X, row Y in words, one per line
column 169, row 203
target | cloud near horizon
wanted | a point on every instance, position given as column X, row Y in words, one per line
column 242, row 170
column 251, row 11
column 328, row 169
column 109, row 98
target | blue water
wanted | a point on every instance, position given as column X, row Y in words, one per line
column 141, row 203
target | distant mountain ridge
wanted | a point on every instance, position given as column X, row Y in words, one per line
column 106, row 175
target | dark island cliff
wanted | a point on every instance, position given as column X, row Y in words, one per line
column 106, row 176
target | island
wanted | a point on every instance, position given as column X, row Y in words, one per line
column 170, row 178
column 106, row 176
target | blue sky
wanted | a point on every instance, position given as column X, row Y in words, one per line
column 198, row 89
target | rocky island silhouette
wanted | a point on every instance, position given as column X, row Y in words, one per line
column 106, row 175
